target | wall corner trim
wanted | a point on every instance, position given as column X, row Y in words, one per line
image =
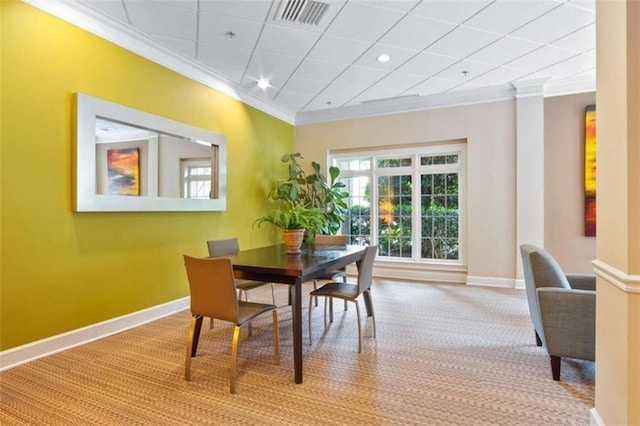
column 51, row 345
column 625, row 282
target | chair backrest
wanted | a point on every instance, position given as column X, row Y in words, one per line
column 212, row 288
column 219, row 248
column 331, row 240
column 540, row 270
column 365, row 268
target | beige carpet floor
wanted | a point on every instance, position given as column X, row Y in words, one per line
column 444, row 355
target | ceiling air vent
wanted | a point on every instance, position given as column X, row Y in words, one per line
column 306, row 12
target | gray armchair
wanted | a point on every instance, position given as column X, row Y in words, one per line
column 562, row 307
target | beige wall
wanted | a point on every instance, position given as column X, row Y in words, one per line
column 618, row 213
column 490, row 131
column 564, row 182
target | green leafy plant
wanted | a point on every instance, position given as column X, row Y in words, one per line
column 293, row 216
column 314, row 191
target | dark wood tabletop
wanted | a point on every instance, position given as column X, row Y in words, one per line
column 273, row 264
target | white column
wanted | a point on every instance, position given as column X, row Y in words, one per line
column 529, row 168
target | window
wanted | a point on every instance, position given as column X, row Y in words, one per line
column 408, row 201
column 196, row 179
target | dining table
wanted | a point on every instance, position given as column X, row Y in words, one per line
column 274, row 264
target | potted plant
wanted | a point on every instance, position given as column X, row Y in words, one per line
column 315, row 191
column 294, row 219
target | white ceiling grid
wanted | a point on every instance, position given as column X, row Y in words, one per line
column 436, row 46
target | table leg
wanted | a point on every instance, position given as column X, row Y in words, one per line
column 295, row 293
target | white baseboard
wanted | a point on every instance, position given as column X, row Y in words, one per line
column 41, row 348
column 491, row 282
column 520, row 283
column 596, row 420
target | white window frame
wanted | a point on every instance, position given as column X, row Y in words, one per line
column 191, row 163
column 415, row 170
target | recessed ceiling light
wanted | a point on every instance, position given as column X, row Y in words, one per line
column 384, row 58
column 263, row 83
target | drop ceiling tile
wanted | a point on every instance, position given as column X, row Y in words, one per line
column 541, row 58
column 232, row 74
column 343, row 90
column 363, row 21
column 218, row 56
column 584, row 4
column 374, row 94
column 465, row 71
column 319, row 70
column 321, row 102
column 304, row 86
column 415, row 32
column 214, row 28
column 504, row 16
column 111, row 8
column 163, row 20
column 451, row 11
column 462, row 42
column 427, row 64
column 184, row 47
column 400, row 81
column 555, row 24
column 401, row 5
column 582, row 40
column 293, row 101
column 275, row 68
column 504, row 50
column 571, row 66
column 338, row 49
column 434, row 85
column 255, row 10
column 286, row 41
column 398, row 57
column 361, row 76
column 499, row 76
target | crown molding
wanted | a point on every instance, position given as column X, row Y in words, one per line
column 111, row 30
column 408, row 104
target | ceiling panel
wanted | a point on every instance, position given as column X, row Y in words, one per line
column 163, row 19
column 415, row 32
column 333, row 62
column 216, row 28
column 349, row 23
column 462, row 42
column 556, row 24
column 505, row 16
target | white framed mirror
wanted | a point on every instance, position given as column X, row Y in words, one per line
column 130, row 160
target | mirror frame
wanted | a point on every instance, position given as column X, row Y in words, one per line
column 86, row 198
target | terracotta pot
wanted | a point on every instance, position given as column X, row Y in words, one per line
column 293, row 240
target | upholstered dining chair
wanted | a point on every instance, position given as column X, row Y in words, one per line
column 350, row 292
column 214, row 294
column 562, row 307
column 230, row 247
column 331, row 240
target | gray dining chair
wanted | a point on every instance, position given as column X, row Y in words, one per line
column 351, row 292
column 214, row 294
column 334, row 275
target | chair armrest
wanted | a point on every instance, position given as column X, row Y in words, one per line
column 569, row 322
column 582, row 281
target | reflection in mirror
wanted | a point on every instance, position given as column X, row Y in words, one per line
column 129, row 160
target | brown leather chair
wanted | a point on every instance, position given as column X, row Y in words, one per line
column 351, row 292
column 214, row 294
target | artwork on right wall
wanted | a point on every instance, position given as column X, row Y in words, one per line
column 590, row 171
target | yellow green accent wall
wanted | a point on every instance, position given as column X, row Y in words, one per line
column 61, row 270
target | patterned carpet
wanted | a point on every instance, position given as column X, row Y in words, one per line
column 444, row 355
